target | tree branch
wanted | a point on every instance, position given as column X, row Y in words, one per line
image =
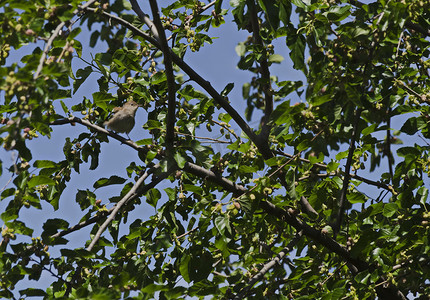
column 54, row 34
column 132, row 193
column 388, row 145
column 171, row 102
column 355, row 176
column 72, row 120
column 102, row 214
column 265, row 73
column 275, row 261
column 144, row 18
column 347, row 177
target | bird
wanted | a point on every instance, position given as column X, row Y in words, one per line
column 123, row 118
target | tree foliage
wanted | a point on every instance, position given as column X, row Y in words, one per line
column 283, row 210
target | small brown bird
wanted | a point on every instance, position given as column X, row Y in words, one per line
column 123, row 118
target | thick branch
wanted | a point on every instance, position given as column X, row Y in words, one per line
column 144, row 18
column 102, row 214
column 132, row 193
column 229, row 185
column 171, row 102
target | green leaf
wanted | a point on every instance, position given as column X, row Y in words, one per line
column 222, row 223
column 281, row 113
column 412, row 125
column 127, row 60
column 342, row 155
column 41, row 164
column 152, row 197
column 422, row 194
column 390, row 209
column 297, row 45
column 227, row 89
column 180, row 160
column 19, row 227
column 52, row 226
column 338, row 13
column 276, row 58
column 272, row 12
column 245, row 204
column 39, row 180
column 368, row 130
column 183, row 267
column 148, row 141
column 356, row 198
column 32, row 292
column 299, row 3
column 108, row 181
column 81, row 77
column 100, row 99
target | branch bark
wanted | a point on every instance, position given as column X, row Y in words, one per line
column 144, row 18
column 171, row 102
column 265, row 73
column 133, row 193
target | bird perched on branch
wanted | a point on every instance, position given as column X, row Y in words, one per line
column 123, row 118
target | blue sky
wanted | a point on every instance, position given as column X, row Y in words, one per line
column 216, row 63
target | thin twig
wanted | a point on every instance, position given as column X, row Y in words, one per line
column 54, row 34
column 388, row 145
column 275, row 261
column 187, row 233
column 347, row 177
column 203, row 138
column 72, row 120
